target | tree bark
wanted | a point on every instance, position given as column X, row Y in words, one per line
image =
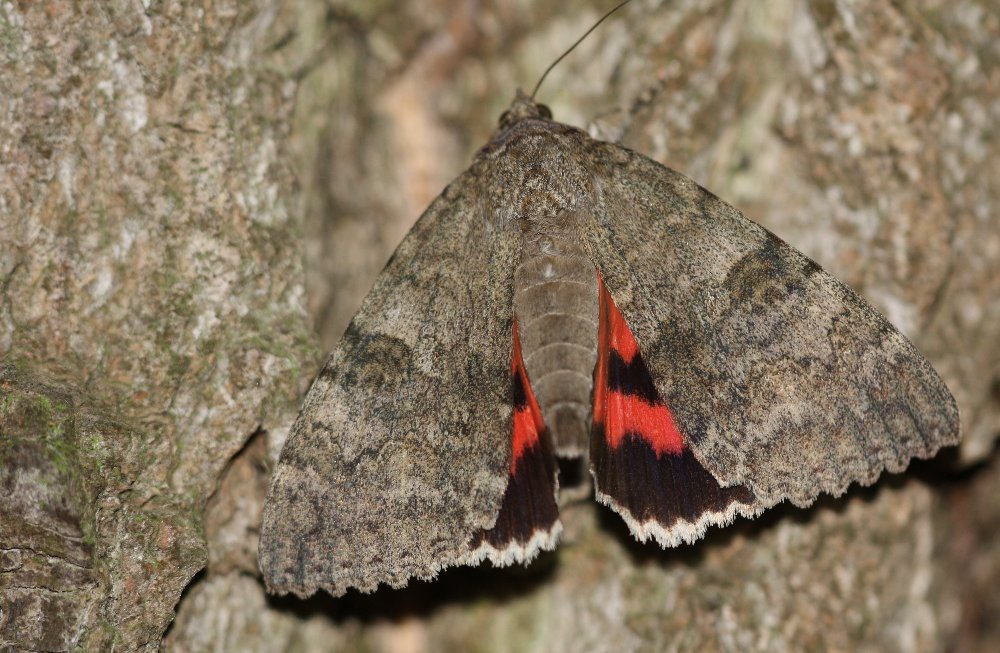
column 152, row 316
column 162, row 269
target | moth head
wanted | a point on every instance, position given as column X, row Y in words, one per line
column 523, row 108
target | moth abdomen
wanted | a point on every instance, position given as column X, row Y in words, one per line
column 555, row 301
column 430, row 438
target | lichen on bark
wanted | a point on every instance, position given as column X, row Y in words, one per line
column 155, row 313
column 151, row 318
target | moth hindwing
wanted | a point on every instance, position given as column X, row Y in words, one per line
column 569, row 297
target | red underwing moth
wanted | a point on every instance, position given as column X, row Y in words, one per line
column 568, row 297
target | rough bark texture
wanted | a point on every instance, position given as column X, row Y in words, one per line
column 153, row 318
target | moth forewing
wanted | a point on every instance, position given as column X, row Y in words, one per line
column 730, row 372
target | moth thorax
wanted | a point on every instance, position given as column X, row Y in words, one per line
column 556, row 305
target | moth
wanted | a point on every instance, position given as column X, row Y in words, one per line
column 568, row 297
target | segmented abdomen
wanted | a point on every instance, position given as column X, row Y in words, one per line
column 556, row 304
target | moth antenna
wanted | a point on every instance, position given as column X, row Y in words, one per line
column 573, row 47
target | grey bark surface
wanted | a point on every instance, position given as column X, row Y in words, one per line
column 155, row 313
column 152, row 316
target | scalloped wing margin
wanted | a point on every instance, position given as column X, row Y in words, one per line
column 780, row 377
column 642, row 465
column 528, row 521
column 401, row 452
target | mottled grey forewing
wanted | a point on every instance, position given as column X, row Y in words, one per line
column 400, row 454
column 781, row 378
